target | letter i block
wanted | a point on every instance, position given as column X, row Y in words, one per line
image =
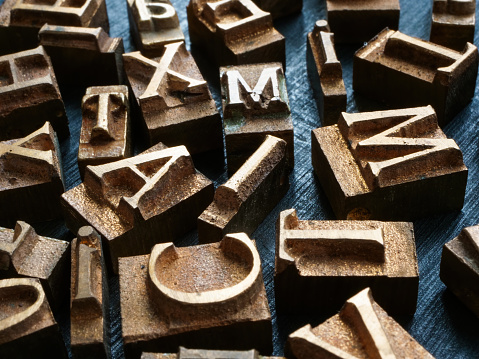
column 174, row 100
column 255, row 104
column 319, row 264
column 389, row 165
column 362, row 329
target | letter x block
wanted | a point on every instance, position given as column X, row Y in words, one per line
column 389, row 165
column 255, row 104
column 174, row 100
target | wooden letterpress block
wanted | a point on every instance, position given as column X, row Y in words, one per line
column 153, row 25
column 29, row 95
column 205, row 296
column 362, row 329
column 244, row 201
column 280, row 8
column 255, row 104
column 27, row 328
column 23, row 253
column 409, row 72
column 207, row 354
column 459, row 267
column 139, row 201
column 83, row 56
column 234, row 32
column 174, row 100
column 105, row 133
column 355, row 21
column 320, row 264
column 20, row 20
column 389, row 165
column 89, row 314
column 31, row 178
column 325, row 73
column 453, row 23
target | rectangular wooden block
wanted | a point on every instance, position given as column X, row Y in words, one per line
column 207, row 354
column 280, row 8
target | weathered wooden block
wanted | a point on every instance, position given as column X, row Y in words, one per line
column 408, row 72
column 234, row 32
column 31, row 178
column 459, row 267
column 153, row 25
column 23, row 253
column 20, row 20
column 389, row 165
column 255, row 104
column 320, row 264
column 362, row 329
column 325, row 73
column 358, row 21
column 245, row 200
column 139, row 201
column 27, row 328
column 89, row 313
column 105, row 132
column 29, row 95
column 174, row 99
column 184, row 353
column 280, row 8
column 453, row 23
column 83, row 56
column 203, row 296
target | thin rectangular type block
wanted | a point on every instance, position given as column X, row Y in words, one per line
column 255, row 104
column 234, row 32
column 460, row 267
column 89, row 309
column 27, row 328
column 245, row 200
column 207, row 354
column 320, row 264
column 325, row 73
column 105, row 132
column 20, row 20
column 204, row 296
column 31, row 179
column 29, row 95
column 23, row 253
column 355, row 21
column 83, row 56
column 409, row 72
column 136, row 202
column 174, row 99
column 389, row 165
column 280, row 8
column 153, row 25
column 362, row 329
column 453, row 23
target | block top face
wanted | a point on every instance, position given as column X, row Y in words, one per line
column 154, row 15
column 351, row 5
column 466, row 246
column 345, row 248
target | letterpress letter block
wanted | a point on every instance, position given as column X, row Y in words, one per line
column 362, row 329
column 390, row 165
column 460, row 267
column 319, row 264
column 207, row 354
column 255, row 104
column 31, row 180
column 153, row 24
column 244, row 201
column 453, row 23
column 83, row 56
column 20, row 20
column 105, row 132
column 408, row 72
column 174, row 100
column 235, row 32
column 139, row 201
column 355, row 21
column 89, row 297
column 29, row 95
column 204, row 296
column 280, row 8
column 326, row 74
column 27, row 328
